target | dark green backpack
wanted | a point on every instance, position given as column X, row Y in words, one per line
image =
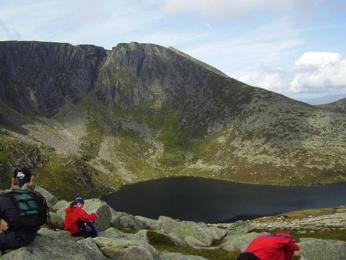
column 32, row 210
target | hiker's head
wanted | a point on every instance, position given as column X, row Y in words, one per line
column 247, row 256
column 19, row 164
column 79, row 202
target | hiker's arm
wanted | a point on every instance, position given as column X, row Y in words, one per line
column 87, row 217
column 31, row 180
column 13, row 182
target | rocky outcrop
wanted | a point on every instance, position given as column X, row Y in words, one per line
column 328, row 219
column 112, row 243
column 55, row 245
column 122, row 220
column 191, row 233
column 40, row 77
column 311, row 248
column 126, row 249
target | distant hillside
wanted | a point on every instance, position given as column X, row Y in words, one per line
column 338, row 106
column 103, row 118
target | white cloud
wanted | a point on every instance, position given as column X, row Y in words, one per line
column 319, row 71
column 236, row 8
column 271, row 79
column 314, row 77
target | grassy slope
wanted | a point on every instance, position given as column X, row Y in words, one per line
column 271, row 140
column 147, row 142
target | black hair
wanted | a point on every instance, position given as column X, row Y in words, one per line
column 73, row 204
column 247, row 256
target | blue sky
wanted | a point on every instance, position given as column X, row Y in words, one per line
column 296, row 47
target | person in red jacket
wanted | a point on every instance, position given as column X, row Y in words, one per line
column 278, row 246
column 78, row 222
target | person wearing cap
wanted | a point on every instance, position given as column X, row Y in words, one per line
column 79, row 222
column 22, row 177
column 278, row 246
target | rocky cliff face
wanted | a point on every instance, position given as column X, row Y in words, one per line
column 142, row 111
column 39, row 78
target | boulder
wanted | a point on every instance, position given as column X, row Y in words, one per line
column 147, row 223
column 102, row 210
column 50, row 198
column 129, row 221
column 194, row 234
column 91, row 244
column 240, row 227
column 122, row 220
column 177, row 256
column 60, row 207
column 311, row 249
column 115, row 218
column 238, row 242
column 54, row 245
column 112, row 233
column 141, row 235
column 56, row 220
column 123, row 249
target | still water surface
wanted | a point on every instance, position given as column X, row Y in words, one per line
column 207, row 200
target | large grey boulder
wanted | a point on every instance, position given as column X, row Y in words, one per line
column 177, row 256
column 238, row 242
column 240, row 227
column 122, row 220
column 124, row 249
column 193, row 234
column 147, row 223
column 112, row 233
column 50, row 198
column 54, row 245
column 102, row 210
column 56, row 220
column 311, row 249
column 60, row 207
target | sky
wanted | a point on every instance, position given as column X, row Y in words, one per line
column 295, row 48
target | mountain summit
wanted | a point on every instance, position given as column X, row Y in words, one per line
column 104, row 118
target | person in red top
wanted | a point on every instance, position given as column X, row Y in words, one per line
column 78, row 222
column 278, row 246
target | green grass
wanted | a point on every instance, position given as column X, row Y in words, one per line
column 90, row 144
column 163, row 243
column 69, row 176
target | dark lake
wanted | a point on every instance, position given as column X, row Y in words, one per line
column 207, row 200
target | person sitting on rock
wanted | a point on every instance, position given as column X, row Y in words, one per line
column 78, row 222
column 278, row 246
column 22, row 177
column 12, row 236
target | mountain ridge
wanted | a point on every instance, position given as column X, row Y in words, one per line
column 143, row 111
